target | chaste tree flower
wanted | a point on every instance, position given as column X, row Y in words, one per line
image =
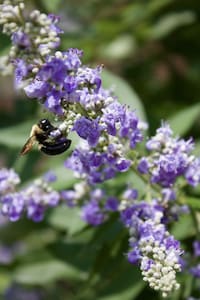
column 32, row 200
column 110, row 133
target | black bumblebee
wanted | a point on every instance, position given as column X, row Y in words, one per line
column 50, row 144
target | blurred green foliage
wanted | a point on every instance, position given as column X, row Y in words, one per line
column 154, row 46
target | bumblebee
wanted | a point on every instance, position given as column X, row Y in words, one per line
column 49, row 138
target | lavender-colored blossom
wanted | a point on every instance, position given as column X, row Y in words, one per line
column 49, row 176
column 112, row 204
column 53, row 102
column 192, row 174
column 91, row 76
column 17, row 292
column 195, row 271
column 69, row 196
column 119, row 120
column 8, row 180
column 169, row 157
column 88, row 130
column 13, row 205
column 143, row 165
column 9, row 252
column 37, row 89
column 196, row 247
column 6, row 255
column 92, row 214
column 21, row 39
column 151, row 246
column 21, row 71
column 33, row 199
column 96, row 166
column 168, row 195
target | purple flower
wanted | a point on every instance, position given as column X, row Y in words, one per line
column 90, row 77
column 54, row 70
column 122, row 165
column 37, row 89
column 13, row 206
column 169, row 158
column 53, row 102
column 196, row 247
column 35, row 211
column 21, row 71
column 69, row 196
column 134, row 255
column 33, row 199
column 112, row 204
column 192, row 173
column 88, row 129
column 72, row 58
column 130, row 194
column 21, row 39
column 96, row 166
column 17, row 292
column 49, row 176
column 8, row 180
column 92, row 214
column 151, row 246
column 113, row 114
column 195, row 271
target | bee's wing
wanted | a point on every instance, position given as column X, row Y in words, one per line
column 28, row 145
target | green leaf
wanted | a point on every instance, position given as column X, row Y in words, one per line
column 129, row 293
column 79, row 254
column 16, row 136
column 66, row 218
column 183, row 121
column 119, row 48
column 124, row 92
column 42, row 273
column 169, row 23
column 183, row 228
column 125, row 284
column 4, row 280
column 194, row 202
column 51, row 6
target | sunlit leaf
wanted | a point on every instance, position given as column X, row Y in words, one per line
column 183, row 228
column 124, row 92
column 16, row 136
column 66, row 218
column 169, row 23
column 183, row 120
column 194, row 202
column 46, row 272
column 129, row 293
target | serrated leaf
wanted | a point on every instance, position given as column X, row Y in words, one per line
column 66, row 218
column 42, row 273
column 183, row 121
column 124, row 92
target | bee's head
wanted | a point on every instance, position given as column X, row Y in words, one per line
column 45, row 125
